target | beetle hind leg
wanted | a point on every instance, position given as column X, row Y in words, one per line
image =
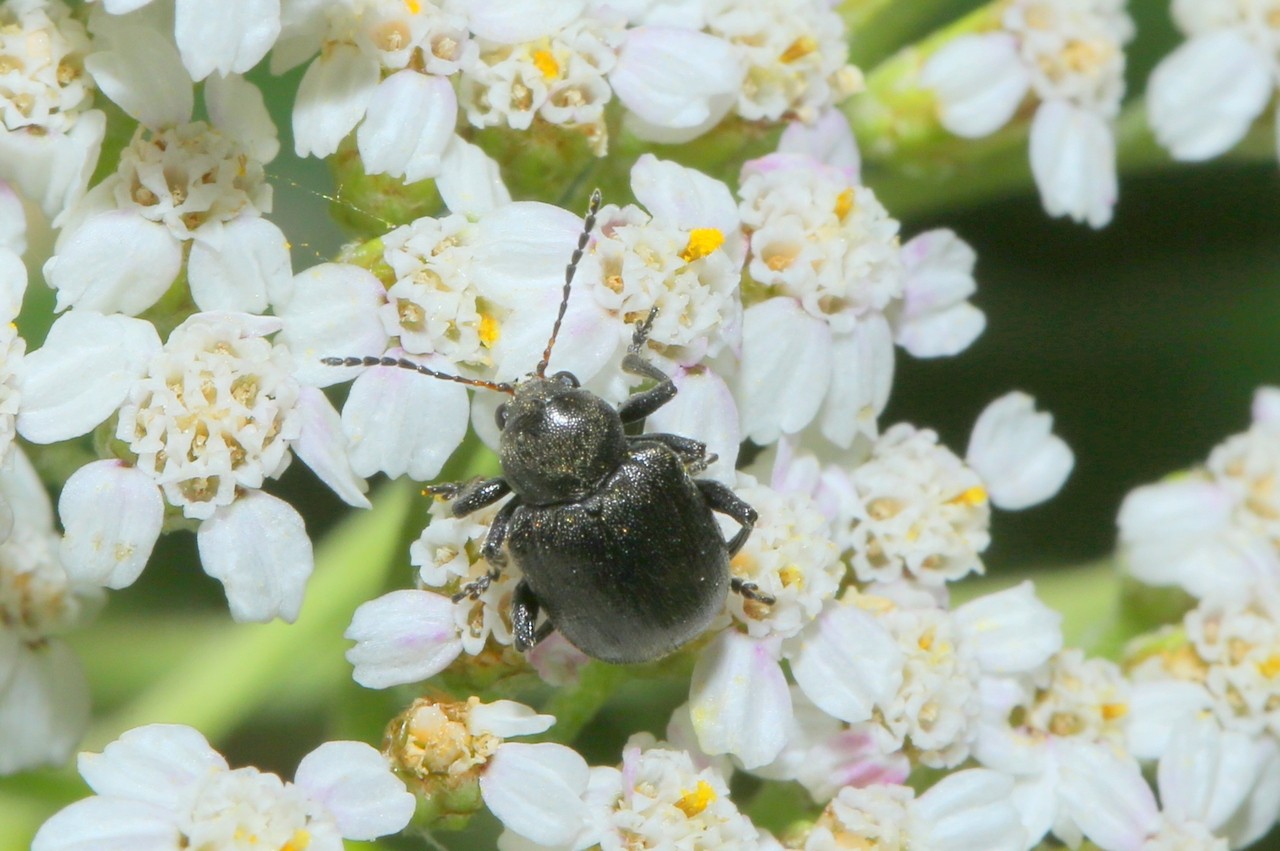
column 720, row 498
column 751, row 591
column 524, row 618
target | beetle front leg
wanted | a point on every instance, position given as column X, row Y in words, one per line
column 491, row 552
column 470, row 496
column 524, row 618
column 643, row 404
column 720, row 498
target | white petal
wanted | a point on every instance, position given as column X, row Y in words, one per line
column 936, row 319
column 828, row 140
column 1156, row 709
column 506, row 718
column 676, row 78
column 470, row 181
column 1106, row 795
column 237, row 109
column 399, row 422
column 510, row 22
column 1013, row 448
column 979, row 80
column 355, row 784
column 44, row 707
column 1073, row 158
column 13, row 221
column 109, row 824
column 13, row 284
column 410, row 121
column 1259, row 813
column 332, row 311
column 322, row 446
column 1266, row 406
column 331, row 99
column 521, row 250
column 53, row 169
column 28, row 500
column 235, row 265
column 682, row 196
column 143, row 74
column 258, row 548
column 739, row 701
column 861, row 377
column 970, row 810
column 163, row 765
column 1010, row 631
column 535, row 790
column 112, row 514
column 846, row 662
column 704, row 410
column 1207, row 773
column 232, row 35
column 402, row 637
column 785, row 371
column 115, row 262
column 1204, row 97
column 82, row 373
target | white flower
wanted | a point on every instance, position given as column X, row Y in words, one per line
column 1212, row 531
column 49, row 137
column 1069, row 54
column 229, row 37
column 44, row 699
column 965, row 811
column 1203, row 98
column 1013, row 447
column 182, row 190
column 162, row 786
column 207, row 417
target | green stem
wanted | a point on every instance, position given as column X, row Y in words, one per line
column 879, row 27
column 224, row 678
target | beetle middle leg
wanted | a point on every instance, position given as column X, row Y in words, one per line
column 491, row 552
column 720, row 498
column 643, row 404
column 524, row 618
column 470, row 496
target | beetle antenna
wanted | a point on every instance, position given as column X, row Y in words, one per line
column 587, row 224
column 405, row 363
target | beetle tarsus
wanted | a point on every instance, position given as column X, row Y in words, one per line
column 472, row 590
column 751, row 591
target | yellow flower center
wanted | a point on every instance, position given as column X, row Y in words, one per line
column 546, row 63
column 702, row 241
column 693, row 803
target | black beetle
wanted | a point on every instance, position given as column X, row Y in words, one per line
column 615, row 539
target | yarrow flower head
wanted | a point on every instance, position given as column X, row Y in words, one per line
column 49, row 135
column 164, row 785
column 204, row 420
column 1070, row 56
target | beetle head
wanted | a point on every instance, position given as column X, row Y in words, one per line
column 558, row 440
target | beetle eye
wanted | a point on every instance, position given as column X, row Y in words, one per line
column 500, row 416
column 567, row 378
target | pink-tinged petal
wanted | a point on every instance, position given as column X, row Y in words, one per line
column 521, row 250
column 115, row 262
column 258, row 548
column 1156, row 709
column 142, row 72
column 124, row 7
column 1204, row 97
column 82, row 373
column 237, row 109
column 846, row 663
column 332, row 310
column 1266, row 406
column 536, row 791
column 1013, row 448
column 410, row 120
column 230, row 36
column 970, row 811
column 781, row 342
column 587, row 341
column 1010, row 631
column 1105, row 795
column 109, row 824
column 163, row 765
column 402, row 637
column 322, row 446
column 470, row 181
column 44, row 707
column 936, row 320
column 332, row 98
column 509, row 22
column 739, row 700
column 704, row 410
column 234, row 266
column 677, row 78
column 828, row 140
column 13, row 284
column 53, row 169
column 400, row 422
column 112, row 514
column 354, row 783
column 979, row 81
column 682, row 196
column 861, row 376
column 1073, row 159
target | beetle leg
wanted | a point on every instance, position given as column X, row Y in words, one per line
column 470, row 496
column 524, row 617
column 491, row 552
column 643, row 404
column 751, row 591
column 690, row 451
column 720, row 498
